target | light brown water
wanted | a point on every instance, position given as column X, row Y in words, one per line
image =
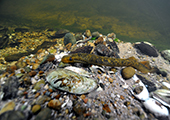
column 131, row 20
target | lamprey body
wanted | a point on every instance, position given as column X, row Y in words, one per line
column 85, row 58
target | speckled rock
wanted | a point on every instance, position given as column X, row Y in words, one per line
column 128, row 72
column 10, row 88
column 166, row 54
column 69, row 38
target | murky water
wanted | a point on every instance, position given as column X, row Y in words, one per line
column 131, row 20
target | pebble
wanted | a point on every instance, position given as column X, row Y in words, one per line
column 55, row 104
column 44, row 114
column 35, row 109
column 88, row 33
column 128, row 72
column 39, row 85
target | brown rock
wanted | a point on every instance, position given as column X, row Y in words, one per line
column 36, row 108
column 106, row 108
column 128, row 72
column 99, row 41
column 88, row 33
column 55, row 104
column 32, row 73
column 68, row 46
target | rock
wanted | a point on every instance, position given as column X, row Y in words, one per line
column 96, row 34
column 111, row 35
column 60, row 33
column 32, row 73
column 4, row 39
column 35, row 66
column 39, row 85
column 106, row 108
column 102, row 50
column 55, row 104
column 13, row 115
column 79, row 36
column 21, row 64
column 8, row 107
column 149, row 84
column 35, row 109
column 166, row 54
column 44, row 114
column 10, row 88
column 87, row 33
column 84, row 49
column 21, row 30
column 79, row 109
column 69, row 81
column 48, row 58
column 128, row 72
column 42, row 99
column 99, row 41
column 69, row 38
column 147, row 49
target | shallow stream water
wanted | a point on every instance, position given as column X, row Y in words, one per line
column 131, row 20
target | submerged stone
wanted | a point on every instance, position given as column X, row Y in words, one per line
column 70, row 81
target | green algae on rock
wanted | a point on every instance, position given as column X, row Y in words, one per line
column 70, row 81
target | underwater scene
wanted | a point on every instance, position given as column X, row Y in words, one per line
column 130, row 20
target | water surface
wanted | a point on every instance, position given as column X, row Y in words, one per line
column 131, row 20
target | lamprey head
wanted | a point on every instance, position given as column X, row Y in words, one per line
column 67, row 59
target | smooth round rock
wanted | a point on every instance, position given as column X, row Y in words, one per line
column 147, row 49
column 69, row 38
column 128, row 72
column 55, row 104
column 9, row 106
column 36, row 108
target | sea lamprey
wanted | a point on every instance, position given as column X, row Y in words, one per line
column 85, row 58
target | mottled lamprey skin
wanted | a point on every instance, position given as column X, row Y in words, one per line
column 86, row 58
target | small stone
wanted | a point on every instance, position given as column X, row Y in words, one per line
column 138, row 90
column 48, row 58
column 42, row 99
column 35, row 109
column 35, row 66
column 127, row 103
column 121, row 97
column 55, row 104
column 37, row 94
column 99, row 41
column 32, row 73
column 96, row 34
column 85, row 100
column 110, row 80
column 21, row 64
column 39, row 84
column 88, row 33
column 83, row 96
column 111, row 35
column 106, row 108
column 79, row 109
column 128, row 72
column 8, row 107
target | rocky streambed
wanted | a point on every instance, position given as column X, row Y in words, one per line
column 35, row 84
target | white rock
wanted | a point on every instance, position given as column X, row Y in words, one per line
column 155, row 107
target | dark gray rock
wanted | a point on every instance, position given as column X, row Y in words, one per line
column 59, row 34
column 10, row 88
column 13, row 115
column 44, row 114
column 147, row 49
column 69, row 38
